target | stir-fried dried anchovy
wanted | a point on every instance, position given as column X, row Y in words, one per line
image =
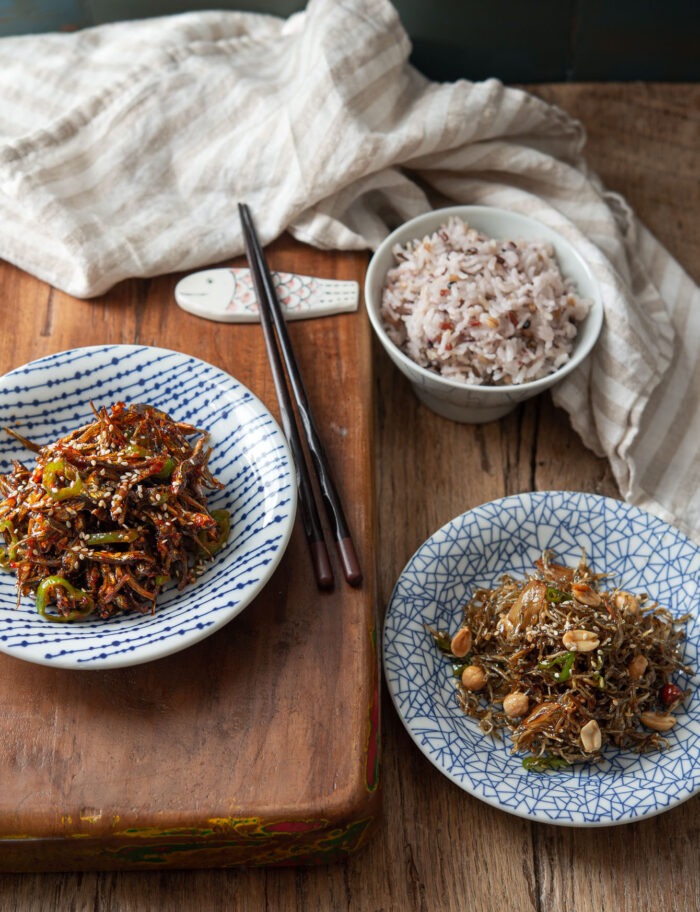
column 566, row 667
column 109, row 514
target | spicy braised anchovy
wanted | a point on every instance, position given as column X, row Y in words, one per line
column 109, row 514
column 568, row 668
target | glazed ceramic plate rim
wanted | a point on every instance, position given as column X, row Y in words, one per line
column 439, row 578
column 249, row 455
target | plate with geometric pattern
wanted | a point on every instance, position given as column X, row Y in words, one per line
column 45, row 399
column 638, row 552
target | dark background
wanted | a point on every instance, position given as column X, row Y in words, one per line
column 513, row 40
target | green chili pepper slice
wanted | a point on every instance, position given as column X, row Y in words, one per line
column 59, row 467
column 110, row 538
column 600, row 677
column 556, row 595
column 7, row 555
column 223, row 521
column 565, row 663
column 442, row 640
column 167, row 470
column 45, row 594
column 223, row 524
column 542, row 764
column 566, row 667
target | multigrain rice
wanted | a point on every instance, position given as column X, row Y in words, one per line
column 479, row 310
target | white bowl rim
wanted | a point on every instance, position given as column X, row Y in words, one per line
column 594, row 319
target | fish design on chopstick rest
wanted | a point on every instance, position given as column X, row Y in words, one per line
column 228, row 295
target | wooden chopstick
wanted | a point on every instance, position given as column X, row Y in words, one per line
column 268, row 302
column 311, row 520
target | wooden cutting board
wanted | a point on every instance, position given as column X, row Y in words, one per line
column 260, row 744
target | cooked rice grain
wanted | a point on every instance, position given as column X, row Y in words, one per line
column 480, row 310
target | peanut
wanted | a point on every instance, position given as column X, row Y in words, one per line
column 656, row 721
column 461, row 642
column 591, row 738
column 583, row 593
column 637, row 667
column 625, row 601
column 580, row 641
column 473, row 678
column 515, row 704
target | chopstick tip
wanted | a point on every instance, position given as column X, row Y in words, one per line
column 351, row 565
column 322, row 565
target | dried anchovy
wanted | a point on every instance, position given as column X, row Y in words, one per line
column 110, row 513
column 523, row 636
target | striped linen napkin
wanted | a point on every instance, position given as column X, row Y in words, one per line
column 125, row 148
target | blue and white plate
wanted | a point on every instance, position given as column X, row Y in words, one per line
column 45, row 399
column 641, row 553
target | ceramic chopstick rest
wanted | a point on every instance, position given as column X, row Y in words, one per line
column 228, row 295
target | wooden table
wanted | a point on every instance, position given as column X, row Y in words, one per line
column 437, row 848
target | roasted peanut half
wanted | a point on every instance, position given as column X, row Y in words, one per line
column 656, row 721
column 591, row 738
column 473, row 678
column 637, row 666
column 516, row 704
column 625, row 601
column 580, row 641
column 461, row 642
column 586, row 595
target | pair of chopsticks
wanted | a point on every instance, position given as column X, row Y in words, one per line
column 279, row 348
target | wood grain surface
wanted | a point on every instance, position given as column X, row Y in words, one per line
column 438, row 849
column 257, row 745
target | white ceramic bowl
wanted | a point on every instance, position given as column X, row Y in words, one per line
column 454, row 399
